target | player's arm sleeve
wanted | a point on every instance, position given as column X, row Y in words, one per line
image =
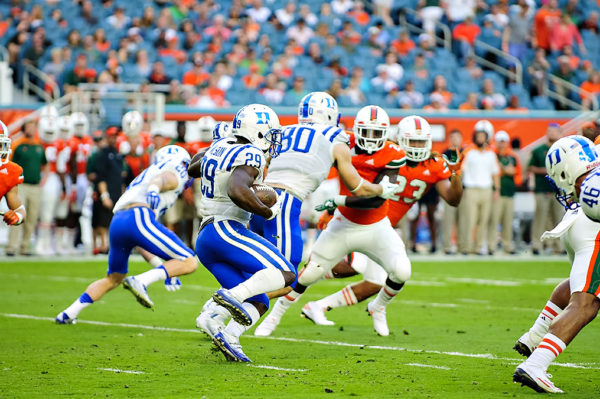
column 372, row 202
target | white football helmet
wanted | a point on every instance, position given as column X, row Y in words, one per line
column 5, row 150
column 48, row 129
column 206, row 125
column 370, row 127
column 172, row 152
column 411, row 130
column 79, row 124
column 484, row 126
column 221, row 130
column 132, row 123
column 64, row 127
column 567, row 159
column 259, row 125
column 48, row 111
column 318, row 107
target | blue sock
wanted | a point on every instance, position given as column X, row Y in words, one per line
column 85, row 298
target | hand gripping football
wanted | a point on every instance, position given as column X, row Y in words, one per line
column 267, row 195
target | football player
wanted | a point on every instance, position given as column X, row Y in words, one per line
column 134, row 224
column 11, row 176
column 245, row 264
column 573, row 168
column 359, row 224
column 423, row 170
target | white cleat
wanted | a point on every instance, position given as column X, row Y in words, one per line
column 379, row 319
column 535, row 378
column 210, row 323
column 64, row 318
column 268, row 325
column 315, row 313
column 138, row 290
column 527, row 343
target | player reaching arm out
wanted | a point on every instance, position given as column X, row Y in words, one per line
column 12, row 176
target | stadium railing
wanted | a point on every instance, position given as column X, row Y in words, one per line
column 36, row 87
column 516, row 75
column 569, row 87
column 445, row 39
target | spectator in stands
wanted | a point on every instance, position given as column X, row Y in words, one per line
column 363, row 82
column 100, row 41
column 118, row 20
column 545, row 20
column 439, row 86
column 567, row 51
column 565, row 33
column 436, row 103
column 203, row 99
column 574, row 10
column 142, row 64
column 564, row 72
column 392, row 67
column 148, row 17
column 273, row 90
column 382, row 83
column 548, row 212
column 336, row 90
column 218, row 28
column 253, row 79
column 430, row 12
column 35, row 51
column 90, row 50
column 287, row 14
column 216, row 93
column 497, row 17
column 353, row 91
column 591, row 86
column 158, row 76
column 349, row 37
column 465, row 33
column 488, row 91
column 481, row 181
column 590, row 23
column 538, row 71
column 503, row 211
column 338, row 70
column 314, row 52
column 197, row 75
column 300, row 32
column 28, row 153
column 74, row 40
column 514, row 105
column 426, row 45
column 56, row 66
column 81, row 73
column 341, row 7
column 383, row 10
column 471, row 104
column 373, row 42
column 473, row 69
column 358, row 14
column 298, row 90
column 307, row 15
column 487, row 104
column 420, row 67
column 174, row 96
column 328, row 18
column 403, row 45
column 459, row 10
column 87, row 13
column 222, row 76
column 450, row 218
column 409, row 97
column 517, row 34
column 258, row 13
column 282, row 68
column 14, row 47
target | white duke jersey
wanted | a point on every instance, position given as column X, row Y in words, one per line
column 138, row 188
column 306, row 157
column 218, row 163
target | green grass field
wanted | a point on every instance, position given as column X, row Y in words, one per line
column 453, row 328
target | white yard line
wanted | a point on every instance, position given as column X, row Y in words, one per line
column 592, row 366
column 428, row 366
column 121, row 371
column 260, row 366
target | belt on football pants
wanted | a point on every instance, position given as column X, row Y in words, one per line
column 206, row 222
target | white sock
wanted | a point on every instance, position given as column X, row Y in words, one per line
column 548, row 350
column 155, row 262
column 236, row 329
column 344, row 297
column 386, row 294
column 283, row 304
column 542, row 323
column 82, row 302
column 153, row 275
column 265, row 280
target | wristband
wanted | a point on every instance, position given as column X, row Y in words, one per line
column 153, row 188
column 359, row 185
column 105, row 195
column 340, row 200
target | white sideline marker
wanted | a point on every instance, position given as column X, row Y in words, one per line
column 428, row 366
column 261, row 366
column 118, row 371
column 590, row 366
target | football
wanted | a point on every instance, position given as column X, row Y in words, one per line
column 267, row 195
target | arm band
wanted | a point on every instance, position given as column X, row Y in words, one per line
column 359, row 185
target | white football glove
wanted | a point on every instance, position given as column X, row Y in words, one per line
column 172, row 284
column 389, row 190
column 276, row 208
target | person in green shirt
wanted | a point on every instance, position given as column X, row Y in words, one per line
column 29, row 154
column 548, row 212
column 503, row 211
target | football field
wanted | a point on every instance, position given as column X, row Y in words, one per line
column 452, row 330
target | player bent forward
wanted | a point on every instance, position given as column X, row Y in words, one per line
column 134, row 224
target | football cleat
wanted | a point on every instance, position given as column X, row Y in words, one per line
column 230, row 346
column 314, row 313
column 224, row 298
column 535, row 378
column 268, row 325
column 527, row 343
column 139, row 291
column 64, row 318
column 172, row 284
column 210, row 323
column 379, row 319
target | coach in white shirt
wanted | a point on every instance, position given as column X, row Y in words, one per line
column 481, row 180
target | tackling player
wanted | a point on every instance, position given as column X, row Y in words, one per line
column 245, row 264
column 359, row 224
column 422, row 171
column 134, row 224
column 573, row 169
column 11, row 175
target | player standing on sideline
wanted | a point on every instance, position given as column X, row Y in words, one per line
column 11, row 175
column 422, row 171
column 245, row 264
column 366, row 229
column 573, row 170
column 134, row 224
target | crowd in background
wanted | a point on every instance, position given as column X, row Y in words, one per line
column 217, row 53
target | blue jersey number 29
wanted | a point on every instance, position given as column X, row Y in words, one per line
column 208, row 166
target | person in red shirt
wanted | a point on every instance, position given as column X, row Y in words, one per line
column 545, row 20
column 197, row 75
column 565, row 33
column 12, row 176
column 403, row 45
column 466, row 32
column 359, row 224
column 422, row 171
